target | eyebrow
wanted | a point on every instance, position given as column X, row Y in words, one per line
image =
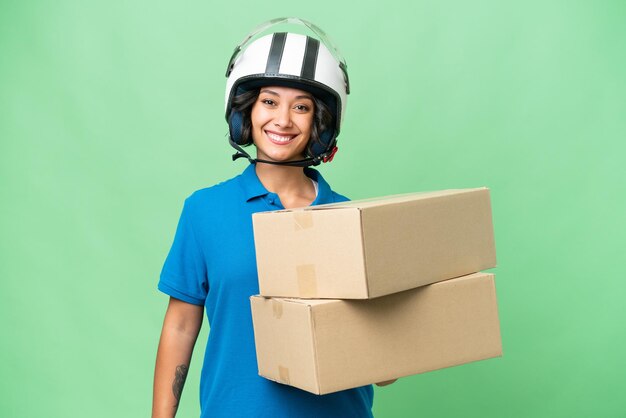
column 306, row 96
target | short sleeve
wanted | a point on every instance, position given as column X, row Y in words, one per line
column 184, row 273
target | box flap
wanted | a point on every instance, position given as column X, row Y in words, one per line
column 402, row 198
column 377, row 201
column 301, row 301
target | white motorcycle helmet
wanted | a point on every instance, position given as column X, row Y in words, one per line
column 284, row 58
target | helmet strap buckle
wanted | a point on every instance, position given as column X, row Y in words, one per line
column 329, row 158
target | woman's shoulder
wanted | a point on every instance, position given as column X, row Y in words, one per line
column 337, row 197
column 214, row 195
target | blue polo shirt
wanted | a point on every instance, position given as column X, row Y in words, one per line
column 212, row 263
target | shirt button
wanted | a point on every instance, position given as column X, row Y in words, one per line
column 271, row 201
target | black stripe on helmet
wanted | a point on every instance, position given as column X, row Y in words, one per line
column 276, row 53
column 310, row 59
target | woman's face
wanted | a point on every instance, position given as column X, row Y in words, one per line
column 282, row 119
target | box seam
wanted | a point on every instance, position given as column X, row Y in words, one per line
column 495, row 299
column 363, row 258
column 315, row 356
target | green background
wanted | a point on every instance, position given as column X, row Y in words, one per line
column 111, row 113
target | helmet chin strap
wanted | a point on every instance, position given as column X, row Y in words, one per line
column 307, row 162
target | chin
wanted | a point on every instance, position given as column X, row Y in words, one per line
column 280, row 157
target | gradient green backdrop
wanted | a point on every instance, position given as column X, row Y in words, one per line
column 111, row 113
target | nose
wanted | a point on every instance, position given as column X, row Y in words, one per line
column 283, row 117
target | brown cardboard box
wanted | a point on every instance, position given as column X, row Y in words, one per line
column 369, row 248
column 326, row 345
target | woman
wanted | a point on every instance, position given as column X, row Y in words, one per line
column 286, row 94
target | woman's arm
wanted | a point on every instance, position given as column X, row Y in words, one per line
column 180, row 330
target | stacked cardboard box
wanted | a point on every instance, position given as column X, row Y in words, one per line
column 372, row 290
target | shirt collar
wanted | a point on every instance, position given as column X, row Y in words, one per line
column 252, row 186
column 324, row 194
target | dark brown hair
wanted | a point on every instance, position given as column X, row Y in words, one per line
column 322, row 119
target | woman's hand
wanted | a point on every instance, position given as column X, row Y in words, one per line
column 386, row 382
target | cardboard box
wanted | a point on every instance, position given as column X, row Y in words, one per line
column 369, row 248
column 326, row 345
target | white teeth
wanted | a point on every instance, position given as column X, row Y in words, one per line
column 278, row 138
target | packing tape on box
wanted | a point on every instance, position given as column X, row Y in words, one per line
column 277, row 307
column 283, row 374
column 302, row 220
column 307, row 280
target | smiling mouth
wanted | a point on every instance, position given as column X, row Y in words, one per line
column 279, row 139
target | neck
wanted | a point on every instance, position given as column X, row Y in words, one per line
column 281, row 179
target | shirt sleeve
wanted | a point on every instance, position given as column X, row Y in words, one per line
column 184, row 273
